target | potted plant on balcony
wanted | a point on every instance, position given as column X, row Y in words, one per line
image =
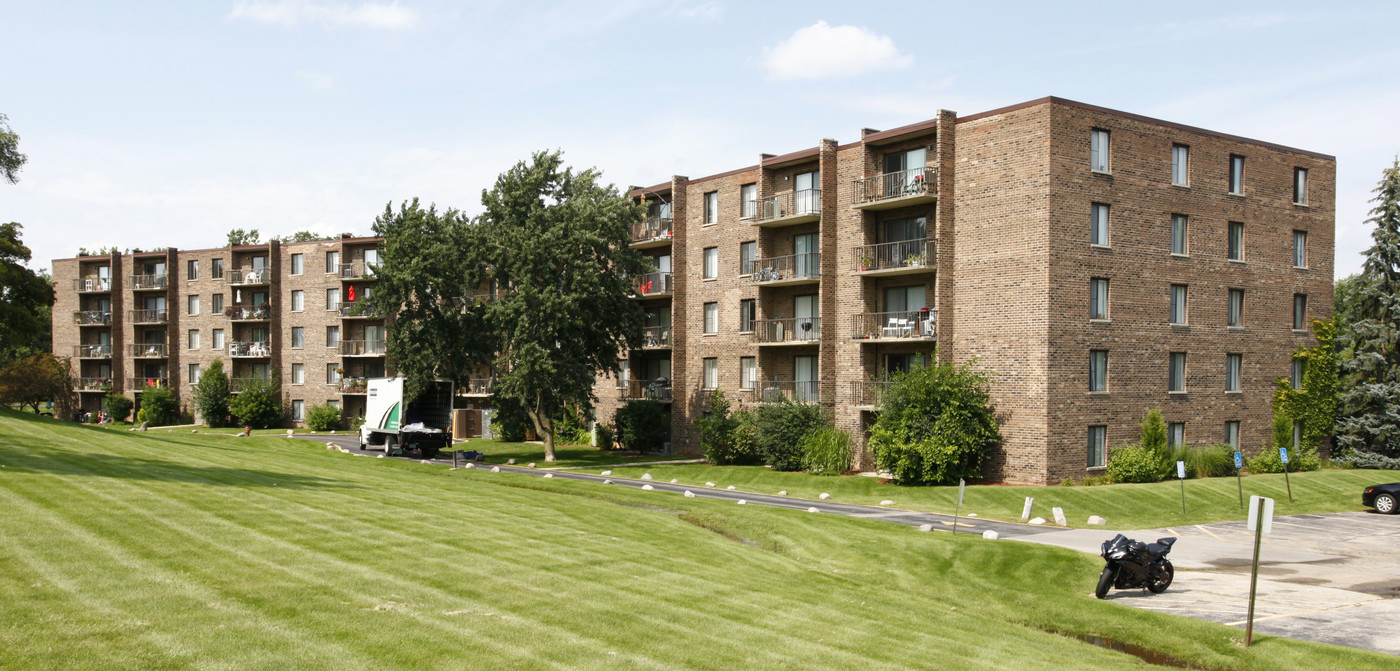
column 864, row 264
column 915, row 260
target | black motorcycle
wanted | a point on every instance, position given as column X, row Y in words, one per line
column 1132, row 564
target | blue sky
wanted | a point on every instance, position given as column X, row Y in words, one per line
column 169, row 123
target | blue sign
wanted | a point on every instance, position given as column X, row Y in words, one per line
column 1283, row 454
column 1239, row 460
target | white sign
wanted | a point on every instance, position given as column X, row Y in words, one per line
column 1181, row 470
column 961, row 484
column 1254, row 503
column 1283, row 454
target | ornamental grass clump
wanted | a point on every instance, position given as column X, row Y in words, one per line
column 826, row 452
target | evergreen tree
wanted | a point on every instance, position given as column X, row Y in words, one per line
column 1369, row 417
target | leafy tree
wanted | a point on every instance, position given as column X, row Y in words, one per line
column 1370, row 403
column 641, row 426
column 34, row 379
column 10, row 159
column 118, row 406
column 508, row 422
column 25, row 298
column 239, row 236
column 323, row 417
column 211, row 395
column 720, row 437
column 258, row 403
column 935, row 425
column 160, row 406
column 303, row 236
column 782, row 428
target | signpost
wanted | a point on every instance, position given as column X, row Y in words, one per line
column 958, row 510
column 1239, row 464
column 1261, row 521
column 1283, row 456
column 1181, row 475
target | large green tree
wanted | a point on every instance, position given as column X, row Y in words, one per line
column 34, row 379
column 25, row 297
column 239, row 236
column 211, row 395
column 1369, row 417
column 10, row 159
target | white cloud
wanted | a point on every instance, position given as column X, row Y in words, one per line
column 705, row 11
column 389, row 16
column 822, row 51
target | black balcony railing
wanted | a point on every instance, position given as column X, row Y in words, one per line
column 645, row 390
column 479, row 386
column 148, row 282
column 92, row 351
column 787, row 268
column 916, row 253
column 656, row 337
column 92, row 318
column 148, row 316
column 353, row 385
column 92, row 284
column 867, row 393
column 248, row 276
column 654, row 284
column 149, row 350
column 802, row 391
column 248, row 313
column 890, row 185
column 356, row 270
column 103, row 384
column 253, row 349
column 137, row 384
column 911, row 324
column 797, row 330
column 362, row 348
column 652, row 229
column 789, row 204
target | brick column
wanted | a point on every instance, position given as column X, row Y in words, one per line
column 174, row 308
column 830, row 264
column 945, row 158
column 683, row 436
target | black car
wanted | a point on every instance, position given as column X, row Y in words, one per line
column 1382, row 497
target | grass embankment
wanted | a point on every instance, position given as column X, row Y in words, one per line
column 171, row 551
column 498, row 451
column 1143, row 506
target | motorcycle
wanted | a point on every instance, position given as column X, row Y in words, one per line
column 1133, row 564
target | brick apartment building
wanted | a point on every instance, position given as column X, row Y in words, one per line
column 1098, row 262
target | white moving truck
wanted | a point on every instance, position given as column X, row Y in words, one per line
column 417, row 427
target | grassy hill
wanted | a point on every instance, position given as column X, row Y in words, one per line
column 173, row 551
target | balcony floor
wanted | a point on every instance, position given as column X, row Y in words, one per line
column 651, row 244
column 893, row 203
column 790, row 220
column 889, row 272
column 789, row 282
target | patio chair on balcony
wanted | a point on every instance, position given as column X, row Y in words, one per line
column 897, row 328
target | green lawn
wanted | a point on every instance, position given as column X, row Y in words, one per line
column 498, row 451
column 1124, row 506
column 172, row 551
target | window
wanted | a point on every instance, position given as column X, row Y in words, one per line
column 712, row 318
column 193, row 305
column 1234, row 312
column 332, row 299
column 711, row 207
column 332, row 374
column 298, row 373
column 1233, row 363
column 747, row 252
column 296, row 264
column 1178, row 314
column 332, row 336
column 218, row 338
column 298, row 300
column 193, row 375
column 1236, row 175
column 334, row 404
column 624, row 373
column 1098, row 439
column 1300, row 249
column 216, row 269
column 1098, row 230
column 748, row 200
column 298, row 337
column 371, row 259
column 711, row 269
column 1098, row 150
column 1300, row 186
column 748, row 372
column 1295, row 377
column 1232, row 434
column 192, row 269
column 216, row 303
column 711, row 373
column 747, row 314
column 1098, row 370
column 1098, row 298
column 1181, row 156
column 333, row 262
column 1236, row 242
column 298, row 411
column 1179, row 235
column 1176, row 377
column 1300, row 312
column 193, row 338
column 1176, row 435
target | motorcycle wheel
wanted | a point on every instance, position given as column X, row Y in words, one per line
column 1162, row 580
column 1105, row 582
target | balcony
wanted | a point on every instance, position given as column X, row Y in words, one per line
column 897, row 189
column 92, row 285
column 478, row 386
column 248, row 277
column 645, row 390
column 137, row 384
column 788, row 270
column 347, row 311
column 148, row 282
column 905, row 257
column 148, row 350
column 773, row 391
column 903, row 326
column 353, row 385
column 250, row 349
column 792, row 331
column 93, row 384
column 92, row 351
column 356, row 270
column 362, row 348
column 147, row 316
column 92, row 318
column 866, row 394
column 248, row 313
column 789, row 209
column 237, row 384
column 654, row 285
column 654, row 232
column 656, row 337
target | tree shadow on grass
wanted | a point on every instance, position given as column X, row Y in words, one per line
column 64, row 462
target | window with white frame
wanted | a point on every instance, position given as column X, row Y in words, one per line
column 1176, row 435
column 624, row 373
column 748, row 200
column 332, row 373
column 1098, row 370
column 298, row 373
column 218, row 339
column 193, row 305
column 1178, row 304
column 193, row 375
column 1181, row 163
column 1235, row 248
column 1098, row 298
column 297, row 264
column 711, row 268
column 1300, row 186
column 333, row 262
column 1176, row 374
column 1300, row 249
column 1233, row 365
column 712, row 373
column 1098, row 441
column 711, row 207
column 1098, row 224
column 332, row 336
column 1295, row 377
column 1300, row 312
column 1234, row 309
column 298, row 337
column 1098, row 150
column 193, row 337
column 712, row 318
column 298, row 300
column 747, row 253
column 748, row 372
column 332, row 299
column 1232, row 434
column 1236, row 175
column 1179, row 239
column 298, row 410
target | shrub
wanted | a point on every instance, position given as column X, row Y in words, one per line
column 211, row 395
column 604, row 433
column 1133, row 463
column 1152, row 437
column 1208, row 461
column 323, row 417
column 935, row 425
column 1370, row 460
column 641, row 426
column 118, row 406
column 509, row 422
column 782, row 426
column 1269, row 461
column 141, row 416
column 258, row 403
column 746, row 438
column 826, row 452
column 571, row 427
column 160, row 406
column 725, row 438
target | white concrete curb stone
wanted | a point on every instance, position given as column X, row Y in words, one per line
column 887, row 502
column 648, row 487
column 743, row 502
column 689, row 494
column 495, row 469
column 646, row 476
column 548, row 475
column 824, row 496
column 925, row 527
column 709, row 484
column 1060, row 516
column 1038, row 520
column 990, row 535
column 606, row 473
column 1097, row 521
column 782, row 493
column 813, row 510
column 730, row 488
